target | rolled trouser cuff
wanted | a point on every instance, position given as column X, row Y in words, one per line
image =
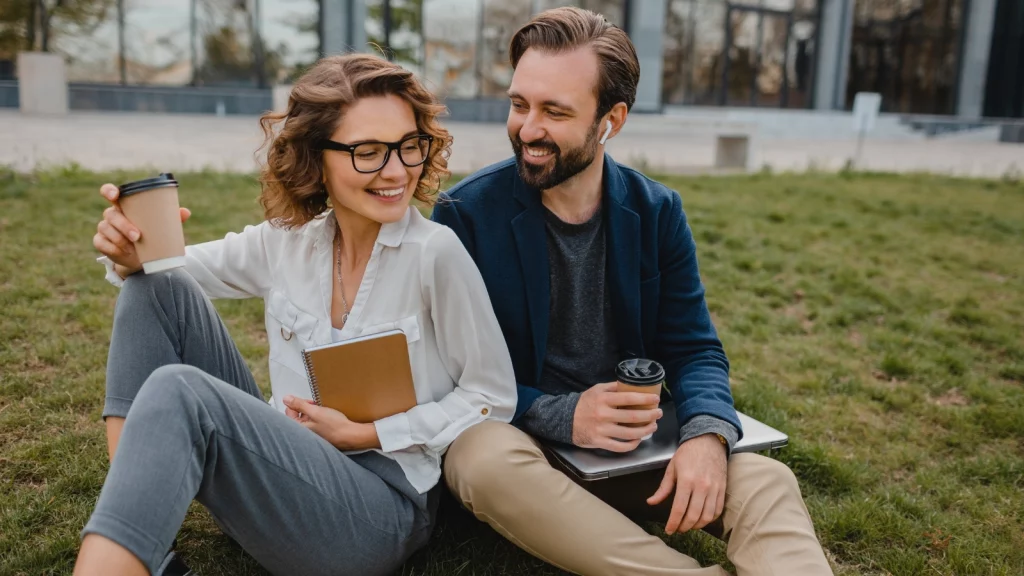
column 116, row 407
column 146, row 549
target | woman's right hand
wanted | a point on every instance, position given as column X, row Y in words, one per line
column 115, row 235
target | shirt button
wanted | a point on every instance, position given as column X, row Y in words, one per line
column 484, row 411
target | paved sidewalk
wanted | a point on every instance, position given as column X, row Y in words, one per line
column 160, row 142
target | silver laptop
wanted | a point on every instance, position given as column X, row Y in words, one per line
column 655, row 452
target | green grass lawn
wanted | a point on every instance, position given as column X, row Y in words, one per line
column 879, row 320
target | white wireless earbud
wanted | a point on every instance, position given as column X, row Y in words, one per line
column 604, row 137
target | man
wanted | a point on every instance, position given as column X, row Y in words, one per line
column 588, row 263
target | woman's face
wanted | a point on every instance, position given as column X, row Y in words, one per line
column 382, row 196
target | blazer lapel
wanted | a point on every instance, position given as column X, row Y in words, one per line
column 623, row 241
column 531, row 245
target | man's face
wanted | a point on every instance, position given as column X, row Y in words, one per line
column 552, row 122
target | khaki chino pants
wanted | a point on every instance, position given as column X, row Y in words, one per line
column 502, row 476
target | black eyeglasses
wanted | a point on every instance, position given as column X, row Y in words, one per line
column 370, row 157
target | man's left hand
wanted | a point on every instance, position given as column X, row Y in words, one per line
column 697, row 472
column 332, row 425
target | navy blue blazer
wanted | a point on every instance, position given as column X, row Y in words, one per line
column 658, row 304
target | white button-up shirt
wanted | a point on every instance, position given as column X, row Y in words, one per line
column 419, row 279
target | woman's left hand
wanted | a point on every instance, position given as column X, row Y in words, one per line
column 332, row 425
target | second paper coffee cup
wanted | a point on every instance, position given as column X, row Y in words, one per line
column 152, row 206
column 640, row 375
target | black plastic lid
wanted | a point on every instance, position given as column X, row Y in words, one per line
column 129, row 188
column 639, row 371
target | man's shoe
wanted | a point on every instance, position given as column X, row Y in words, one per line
column 173, row 565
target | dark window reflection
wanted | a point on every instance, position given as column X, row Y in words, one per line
column 694, row 42
column 1004, row 89
column 800, row 65
column 742, row 57
column 908, row 51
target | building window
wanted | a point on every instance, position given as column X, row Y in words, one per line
column 693, row 47
column 739, row 53
column 908, row 51
column 1004, row 89
column 450, row 40
column 501, row 19
column 291, row 37
column 613, row 10
column 156, row 44
column 85, row 35
column 396, row 28
column 226, row 44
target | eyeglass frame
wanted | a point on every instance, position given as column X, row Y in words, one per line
column 328, row 144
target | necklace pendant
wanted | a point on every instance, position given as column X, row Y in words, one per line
column 344, row 318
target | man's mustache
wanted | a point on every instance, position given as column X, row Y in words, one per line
column 539, row 145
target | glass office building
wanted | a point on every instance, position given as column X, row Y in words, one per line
column 923, row 56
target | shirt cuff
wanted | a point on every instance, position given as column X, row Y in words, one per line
column 705, row 424
column 112, row 276
column 551, row 417
column 394, row 432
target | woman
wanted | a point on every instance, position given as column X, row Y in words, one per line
column 300, row 487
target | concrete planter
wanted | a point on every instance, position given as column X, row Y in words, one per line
column 42, row 83
column 281, row 93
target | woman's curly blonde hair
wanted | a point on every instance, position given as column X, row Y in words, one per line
column 292, row 177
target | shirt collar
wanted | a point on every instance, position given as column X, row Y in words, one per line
column 390, row 235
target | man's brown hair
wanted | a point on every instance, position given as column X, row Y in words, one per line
column 292, row 177
column 569, row 28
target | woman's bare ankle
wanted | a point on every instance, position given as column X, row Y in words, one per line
column 100, row 555
column 114, row 426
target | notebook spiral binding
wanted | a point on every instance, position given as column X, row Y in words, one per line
column 311, row 376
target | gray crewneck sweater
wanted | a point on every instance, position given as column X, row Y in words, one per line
column 582, row 348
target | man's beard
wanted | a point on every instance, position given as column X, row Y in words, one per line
column 561, row 167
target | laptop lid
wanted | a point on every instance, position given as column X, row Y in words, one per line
column 588, row 464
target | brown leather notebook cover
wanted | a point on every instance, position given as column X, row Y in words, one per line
column 365, row 378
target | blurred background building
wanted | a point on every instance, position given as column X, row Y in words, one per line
column 956, row 58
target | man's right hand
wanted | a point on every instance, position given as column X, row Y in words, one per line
column 601, row 412
column 115, row 236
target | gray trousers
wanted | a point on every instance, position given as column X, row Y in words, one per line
column 197, row 428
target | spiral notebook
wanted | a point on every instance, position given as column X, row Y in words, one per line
column 365, row 378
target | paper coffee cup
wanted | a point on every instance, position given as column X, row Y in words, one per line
column 640, row 375
column 152, row 206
